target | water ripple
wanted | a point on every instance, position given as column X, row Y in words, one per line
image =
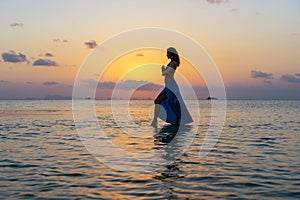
column 256, row 157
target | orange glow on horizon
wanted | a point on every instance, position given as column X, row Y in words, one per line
column 145, row 65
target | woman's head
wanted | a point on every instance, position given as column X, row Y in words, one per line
column 173, row 55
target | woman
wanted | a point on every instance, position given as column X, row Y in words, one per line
column 170, row 98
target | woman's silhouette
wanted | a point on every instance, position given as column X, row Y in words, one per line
column 174, row 110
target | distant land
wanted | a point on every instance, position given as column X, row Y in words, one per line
column 59, row 97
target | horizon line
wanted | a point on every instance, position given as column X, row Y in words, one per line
column 150, row 99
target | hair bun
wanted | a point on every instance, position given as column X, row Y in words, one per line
column 172, row 50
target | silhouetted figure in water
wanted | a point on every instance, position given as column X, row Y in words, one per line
column 174, row 110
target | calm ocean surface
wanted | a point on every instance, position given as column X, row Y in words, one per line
column 257, row 155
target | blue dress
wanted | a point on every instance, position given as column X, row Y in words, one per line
column 173, row 107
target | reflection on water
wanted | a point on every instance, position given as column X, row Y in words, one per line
column 256, row 157
column 173, row 141
column 164, row 136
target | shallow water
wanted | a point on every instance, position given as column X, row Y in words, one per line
column 256, row 157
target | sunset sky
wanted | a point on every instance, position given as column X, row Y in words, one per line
column 254, row 43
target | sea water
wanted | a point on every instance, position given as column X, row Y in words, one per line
column 257, row 155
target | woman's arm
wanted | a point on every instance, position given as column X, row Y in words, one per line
column 170, row 69
column 167, row 71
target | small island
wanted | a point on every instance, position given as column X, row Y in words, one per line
column 211, row 98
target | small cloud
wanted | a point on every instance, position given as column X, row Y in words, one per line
column 150, row 87
column 4, row 81
column 259, row 74
column 295, row 34
column 139, row 55
column 138, row 85
column 29, row 82
column 50, row 83
column 58, row 40
column 217, row 1
column 291, row 78
column 102, row 85
column 91, row 44
column 14, row 57
column 45, row 62
column 106, row 85
column 16, row 24
column 125, row 85
column 234, row 10
column 49, row 54
column 267, row 81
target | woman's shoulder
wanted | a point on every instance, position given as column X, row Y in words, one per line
column 173, row 64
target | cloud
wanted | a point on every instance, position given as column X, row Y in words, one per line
column 106, row 85
column 4, row 81
column 14, row 57
column 50, row 83
column 58, row 40
column 217, row 1
column 49, row 54
column 295, row 34
column 102, row 85
column 16, row 24
column 125, row 85
column 267, row 81
column 139, row 55
column 138, row 85
column 259, row 74
column 234, row 10
column 91, row 44
column 45, row 62
column 257, row 13
column 150, row 87
column 291, row 78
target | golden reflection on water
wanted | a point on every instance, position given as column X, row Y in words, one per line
column 256, row 155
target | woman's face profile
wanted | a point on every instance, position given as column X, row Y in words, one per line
column 168, row 54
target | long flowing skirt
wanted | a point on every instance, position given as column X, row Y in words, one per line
column 173, row 109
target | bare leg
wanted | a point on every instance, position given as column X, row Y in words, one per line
column 156, row 111
column 157, row 102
